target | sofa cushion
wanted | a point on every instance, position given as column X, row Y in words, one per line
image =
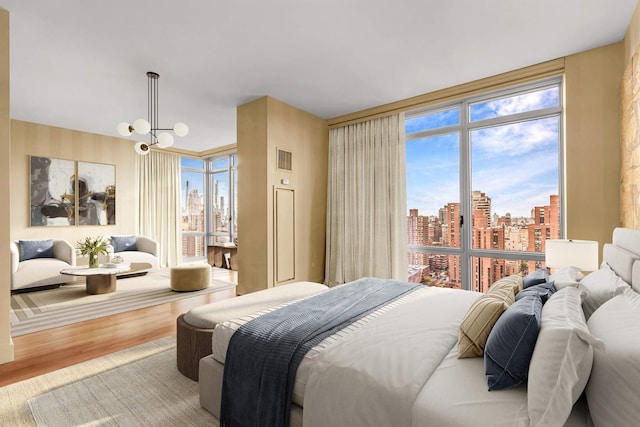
column 40, row 272
column 31, row 249
column 124, row 243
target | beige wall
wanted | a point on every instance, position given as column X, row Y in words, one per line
column 6, row 345
column 592, row 133
column 31, row 139
column 264, row 125
column 253, row 241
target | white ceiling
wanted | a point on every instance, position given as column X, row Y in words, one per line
column 82, row 64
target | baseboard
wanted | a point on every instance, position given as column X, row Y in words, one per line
column 6, row 352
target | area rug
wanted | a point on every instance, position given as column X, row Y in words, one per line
column 137, row 386
column 51, row 308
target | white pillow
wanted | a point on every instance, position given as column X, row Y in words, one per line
column 561, row 360
column 613, row 391
column 568, row 276
column 602, row 285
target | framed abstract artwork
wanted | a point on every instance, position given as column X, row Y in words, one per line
column 96, row 194
column 54, row 188
column 52, row 191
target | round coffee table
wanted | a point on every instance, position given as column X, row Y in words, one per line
column 102, row 280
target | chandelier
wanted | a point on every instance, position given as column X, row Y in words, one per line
column 150, row 126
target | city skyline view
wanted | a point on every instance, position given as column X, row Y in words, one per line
column 517, row 163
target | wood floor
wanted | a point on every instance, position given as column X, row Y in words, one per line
column 52, row 349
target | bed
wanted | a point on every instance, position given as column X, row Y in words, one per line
column 583, row 370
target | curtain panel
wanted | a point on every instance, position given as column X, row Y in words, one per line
column 158, row 203
column 366, row 202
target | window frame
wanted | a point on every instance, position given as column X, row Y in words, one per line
column 464, row 129
column 194, row 234
column 208, row 171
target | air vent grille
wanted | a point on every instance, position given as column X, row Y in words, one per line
column 284, row 160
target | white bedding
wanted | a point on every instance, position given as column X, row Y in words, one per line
column 394, row 357
column 406, row 370
column 399, row 365
column 429, row 319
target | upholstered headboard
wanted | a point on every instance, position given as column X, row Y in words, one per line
column 623, row 255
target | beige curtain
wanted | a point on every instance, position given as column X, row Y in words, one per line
column 366, row 202
column 158, row 203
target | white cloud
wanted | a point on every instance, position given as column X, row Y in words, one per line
column 517, row 138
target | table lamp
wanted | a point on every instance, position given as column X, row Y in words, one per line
column 563, row 253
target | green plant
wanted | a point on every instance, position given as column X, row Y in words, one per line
column 93, row 248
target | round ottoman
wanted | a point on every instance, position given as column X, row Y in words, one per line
column 190, row 277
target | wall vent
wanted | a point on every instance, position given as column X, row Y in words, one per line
column 284, row 160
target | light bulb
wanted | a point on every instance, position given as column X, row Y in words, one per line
column 181, row 129
column 141, row 126
column 141, row 148
column 124, row 129
column 165, row 140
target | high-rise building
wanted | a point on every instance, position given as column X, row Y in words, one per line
column 193, row 220
column 490, row 233
column 546, row 225
column 417, row 233
column 481, row 208
column 452, row 239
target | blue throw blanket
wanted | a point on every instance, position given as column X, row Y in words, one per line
column 264, row 354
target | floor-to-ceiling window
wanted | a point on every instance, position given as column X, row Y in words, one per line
column 484, row 185
column 209, row 200
column 223, row 199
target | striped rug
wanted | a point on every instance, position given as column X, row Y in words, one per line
column 51, row 308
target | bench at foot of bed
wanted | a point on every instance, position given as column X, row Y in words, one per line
column 195, row 328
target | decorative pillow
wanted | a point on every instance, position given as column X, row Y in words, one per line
column 30, row 249
column 535, row 278
column 123, row 243
column 602, row 285
column 513, row 282
column 561, row 361
column 568, row 276
column 612, row 390
column 543, row 290
column 511, row 343
column 480, row 318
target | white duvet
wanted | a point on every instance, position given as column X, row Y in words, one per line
column 373, row 377
column 399, row 367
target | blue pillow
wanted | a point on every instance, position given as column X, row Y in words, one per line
column 123, row 243
column 511, row 342
column 543, row 290
column 31, row 249
column 535, row 278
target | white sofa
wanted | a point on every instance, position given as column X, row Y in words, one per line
column 147, row 251
column 39, row 272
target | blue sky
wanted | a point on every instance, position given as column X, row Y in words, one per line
column 516, row 165
column 196, row 179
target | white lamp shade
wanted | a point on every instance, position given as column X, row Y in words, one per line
column 124, row 129
column 180, row 129
column 572, row 253
column 165, row 140
column 141, row 126
column 141, row 148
